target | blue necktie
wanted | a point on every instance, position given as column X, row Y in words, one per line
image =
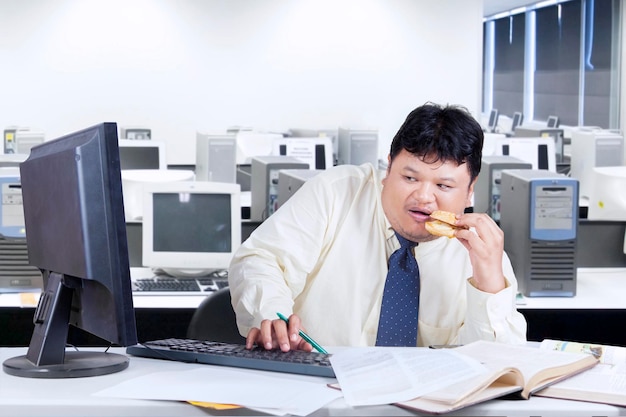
column 398, row 315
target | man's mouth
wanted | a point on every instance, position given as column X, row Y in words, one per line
column 419, row 215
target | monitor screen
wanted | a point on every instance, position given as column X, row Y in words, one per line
column 518, row 119
column 553, row 122
column 191, row 228
column 493, row 120
column 74, row 218
column 142, row 154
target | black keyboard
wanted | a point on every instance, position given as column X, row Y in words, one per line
column 163, row 283
column 227, row 354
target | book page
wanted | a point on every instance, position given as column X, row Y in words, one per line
column 538, row 366
column 377, row 375
column 604, row 383
column 495, row 390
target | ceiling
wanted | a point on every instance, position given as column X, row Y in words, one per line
column 491, row 7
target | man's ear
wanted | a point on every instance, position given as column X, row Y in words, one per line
column 470, row 193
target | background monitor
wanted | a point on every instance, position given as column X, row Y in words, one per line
column 74, row 217
column 492, row 124
column 592, row 148
column 518, row 119
column 331, row 134
column 545, row 132
column 135, row 133
column 357, row 146
column 539, row 152
column 142, row 154
column 553, row 122
column 191, row 228
column 315, row 151
column 607, row 200
column 134, row 181
column 251, row 144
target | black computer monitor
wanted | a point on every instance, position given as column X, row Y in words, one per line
column 553, row 122
column 493, row 120
column 74, row 218
column 518, row 119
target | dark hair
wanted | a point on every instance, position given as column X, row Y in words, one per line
column 441, row 133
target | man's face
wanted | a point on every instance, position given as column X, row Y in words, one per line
column 413, row 189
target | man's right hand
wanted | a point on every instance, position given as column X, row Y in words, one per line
column 276, row 333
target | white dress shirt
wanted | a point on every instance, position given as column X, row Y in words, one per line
column 323, row 255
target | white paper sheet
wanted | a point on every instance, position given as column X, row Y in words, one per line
column 370, row 376
column 269, row 392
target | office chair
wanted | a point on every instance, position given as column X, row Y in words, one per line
column 214, row 320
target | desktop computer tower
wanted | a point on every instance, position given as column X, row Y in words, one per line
column 16, row 273
column 539, row 218
column 592, row 148
column 216, row 158
column 544, row 132
column 290, row 181
column 264, row 186
column 21, row 139
column 487, row 188
column 357, row 147
column 11, row 207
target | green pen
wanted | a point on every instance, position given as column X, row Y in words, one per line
column 304, row 336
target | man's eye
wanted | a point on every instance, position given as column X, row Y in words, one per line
column 410, row 179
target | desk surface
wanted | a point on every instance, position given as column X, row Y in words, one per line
column 597, row 288
column 73, row 397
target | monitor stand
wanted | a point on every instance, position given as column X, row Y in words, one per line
column 47, row 356
column 77, row 364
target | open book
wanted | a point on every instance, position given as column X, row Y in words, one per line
column 436, row 383
column 512, row 369
column 604, row 383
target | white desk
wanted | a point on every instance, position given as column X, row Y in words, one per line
column 73, row 397
column 596, row 288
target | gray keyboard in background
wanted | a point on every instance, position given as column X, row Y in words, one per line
column 234, row 355
column 167, row 283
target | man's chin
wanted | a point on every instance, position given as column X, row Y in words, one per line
column 421, row 235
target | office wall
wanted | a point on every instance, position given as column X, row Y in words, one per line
column 194, row 65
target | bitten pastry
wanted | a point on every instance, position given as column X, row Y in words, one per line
column 442, row 224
